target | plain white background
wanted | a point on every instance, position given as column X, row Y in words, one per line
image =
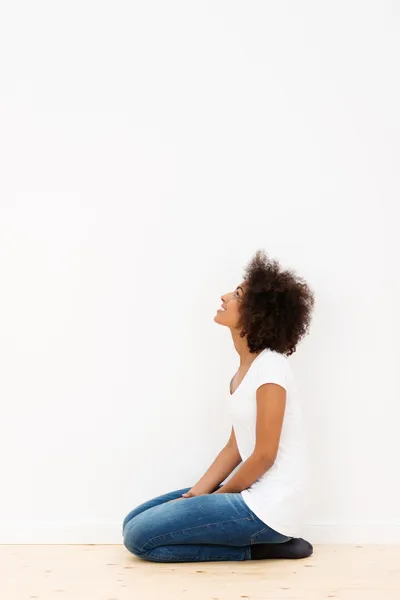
column 147, row 150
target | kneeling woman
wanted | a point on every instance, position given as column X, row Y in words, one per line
column 258, row 512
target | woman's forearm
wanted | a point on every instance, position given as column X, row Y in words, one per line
column 227, row 460
column 251, row 470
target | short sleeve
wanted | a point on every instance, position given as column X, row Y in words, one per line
column 272, row 368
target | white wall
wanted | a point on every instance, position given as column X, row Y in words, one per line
column 148, row 149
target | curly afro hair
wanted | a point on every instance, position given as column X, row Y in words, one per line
column 275, row 309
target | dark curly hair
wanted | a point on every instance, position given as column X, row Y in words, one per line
column 275, row 308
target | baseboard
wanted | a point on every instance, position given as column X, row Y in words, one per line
column 353, row 533
column 61, row 533
column 111, row 533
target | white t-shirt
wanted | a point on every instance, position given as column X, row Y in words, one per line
column 279, row 497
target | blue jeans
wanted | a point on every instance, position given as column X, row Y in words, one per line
column 212, row 527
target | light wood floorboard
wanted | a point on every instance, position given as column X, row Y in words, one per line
column 74, row 572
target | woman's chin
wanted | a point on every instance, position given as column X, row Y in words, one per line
column 217, row 318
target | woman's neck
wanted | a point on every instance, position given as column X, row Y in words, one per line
column 246, row 357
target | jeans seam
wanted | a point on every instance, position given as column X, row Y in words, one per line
column 189, row 558
column 255, row 535
column 191, row 529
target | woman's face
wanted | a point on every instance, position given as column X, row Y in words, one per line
column 228, row 314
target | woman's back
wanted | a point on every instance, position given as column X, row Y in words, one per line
column 279, row 496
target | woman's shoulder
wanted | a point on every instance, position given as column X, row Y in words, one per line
column 271, row 359
column 272, row 356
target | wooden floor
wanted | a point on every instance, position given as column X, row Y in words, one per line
column 112, row 573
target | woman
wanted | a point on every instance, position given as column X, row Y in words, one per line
column 258, row 512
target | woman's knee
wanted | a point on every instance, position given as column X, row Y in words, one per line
column 136, row 534
column 134, row 513
column 152, row 503
column 131, row 540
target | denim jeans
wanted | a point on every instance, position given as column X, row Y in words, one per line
column 212, row 527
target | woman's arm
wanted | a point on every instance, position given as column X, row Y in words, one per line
column 227, row 460
column 271, row 401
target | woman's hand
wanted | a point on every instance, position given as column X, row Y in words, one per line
column 189, row 494
column 227, row 460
